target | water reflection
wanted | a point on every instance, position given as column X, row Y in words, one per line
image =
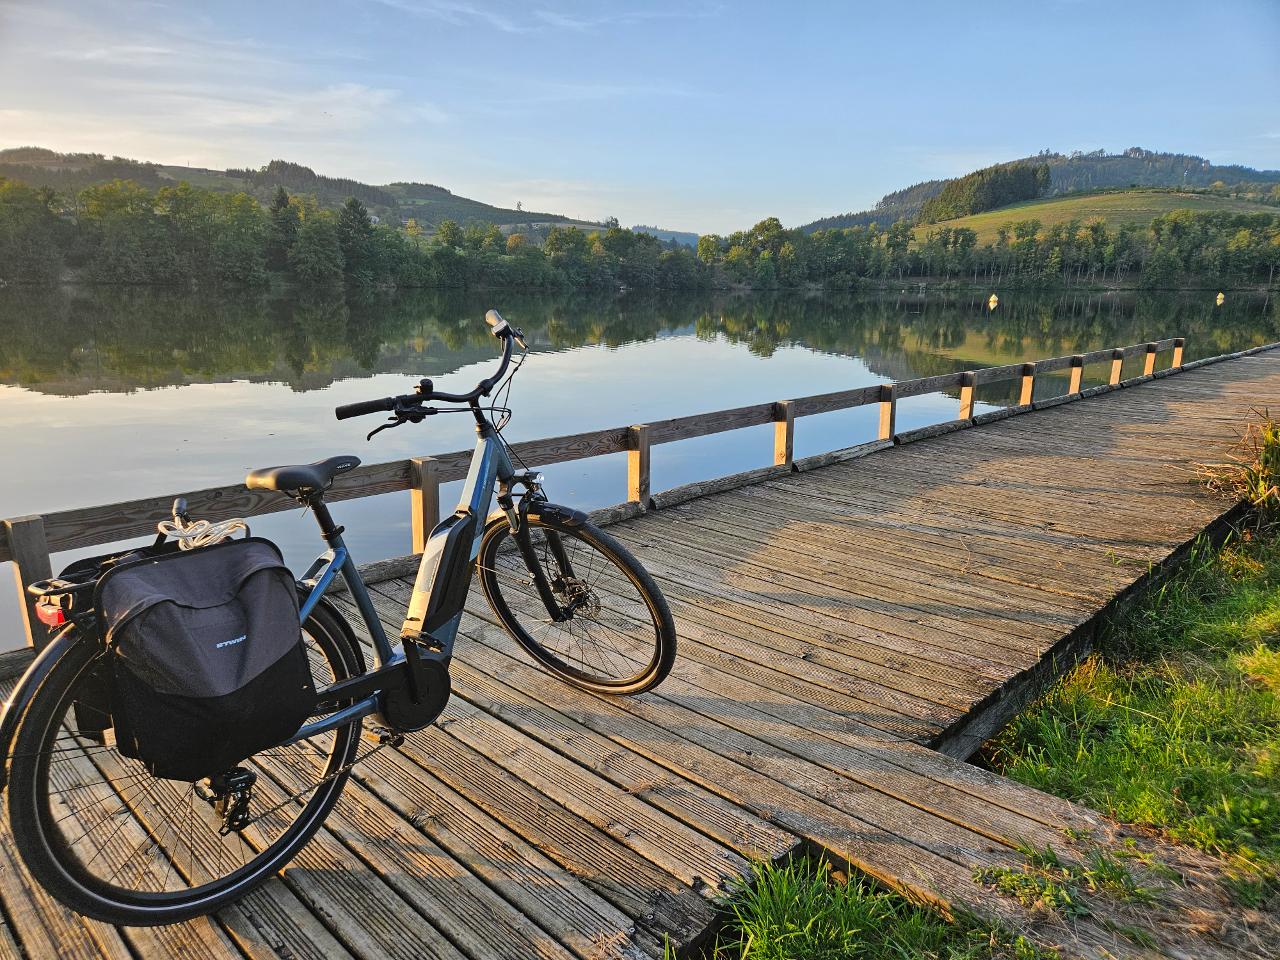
column 73, row 341
column 109, row 394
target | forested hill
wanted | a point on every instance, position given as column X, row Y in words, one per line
column 426, row 203
column 1071, row 172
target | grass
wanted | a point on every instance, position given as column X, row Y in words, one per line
column 1174, row 723
column 808, row 910
column 1115, row 208
column 1045, row 882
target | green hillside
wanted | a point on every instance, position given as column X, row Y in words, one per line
column 1079, row 171
column 1115, row 208
column 425, row 202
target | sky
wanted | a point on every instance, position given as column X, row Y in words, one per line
column 695, row 114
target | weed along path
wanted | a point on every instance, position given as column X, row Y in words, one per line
column 848, row 636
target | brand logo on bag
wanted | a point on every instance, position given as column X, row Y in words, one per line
column 232, row 642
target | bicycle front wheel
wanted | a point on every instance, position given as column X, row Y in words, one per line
column 116, row 844
column 614, row 633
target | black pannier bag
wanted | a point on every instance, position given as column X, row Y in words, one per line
column 206, row 657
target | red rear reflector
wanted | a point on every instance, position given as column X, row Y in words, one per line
column 50, row 615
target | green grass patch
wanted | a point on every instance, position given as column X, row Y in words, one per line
column 1114, row 207
column 1175, row 722
column 806, row 910
column 1046, row 883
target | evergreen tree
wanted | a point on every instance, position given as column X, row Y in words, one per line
column 284, row 230
column 355, row 238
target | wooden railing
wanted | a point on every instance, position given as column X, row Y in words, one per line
column 29, row 541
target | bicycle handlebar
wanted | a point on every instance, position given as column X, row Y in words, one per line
column 501, row 329
column 363, row 407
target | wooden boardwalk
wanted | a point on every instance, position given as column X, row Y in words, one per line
column 846, row 635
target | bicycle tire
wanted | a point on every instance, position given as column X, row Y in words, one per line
column 47, row 852
column 517, row 608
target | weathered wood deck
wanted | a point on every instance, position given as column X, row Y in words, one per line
column 842, row 631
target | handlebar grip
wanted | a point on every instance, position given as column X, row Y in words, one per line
column 363, row 408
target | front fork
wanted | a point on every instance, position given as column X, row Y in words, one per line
column 518, row 520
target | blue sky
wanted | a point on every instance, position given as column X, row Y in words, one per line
column 697, row 115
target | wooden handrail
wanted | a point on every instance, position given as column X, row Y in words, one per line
column 90, row 526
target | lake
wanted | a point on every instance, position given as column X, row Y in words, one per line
column 110, row 394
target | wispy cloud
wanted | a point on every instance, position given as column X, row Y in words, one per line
column 126, row 54
column 457, row 12
column 463, row 12
column 568, row 21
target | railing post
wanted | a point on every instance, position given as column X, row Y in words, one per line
column 1028, row 384
column 29, row 551
column 1149, row 366
column 638, row 465
column 424, row 496
column 968, row 380
column 1117, row 364
column 1178, row 344
column 1077, row 373
column 784, row 433
column 888, row 411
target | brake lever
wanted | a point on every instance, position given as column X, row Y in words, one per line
column 403, row 416
column 393, row 422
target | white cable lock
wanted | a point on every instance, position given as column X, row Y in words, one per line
column 200, row 533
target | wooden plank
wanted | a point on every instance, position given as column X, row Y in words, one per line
column 546, row 892
column 424, row 499
column 923, row 385
column 732, row 827
column 703, row 488
column 14, row 663
column 272, row 923
column 888, row 412
column 1009, row 371
column 458, row 903
column 838, row 400
column 1026, row 390
column 1077, row 373
column 784, row 433
column 669, row 733
column 706, row 424
column 1149, row 363
column 638, row 465
column 29, row 553
column 968, row 381
column 658, row 904
column 835, row 593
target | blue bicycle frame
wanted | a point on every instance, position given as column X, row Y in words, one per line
column 439, row 592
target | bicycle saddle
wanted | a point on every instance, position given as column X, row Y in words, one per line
column 310, row 477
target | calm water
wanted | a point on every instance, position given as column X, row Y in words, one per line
column 113, row 394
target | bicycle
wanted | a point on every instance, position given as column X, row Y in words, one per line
column 118, row 845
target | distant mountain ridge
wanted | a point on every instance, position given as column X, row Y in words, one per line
column 1072, row 172
column 426, row 203
column 685, row 238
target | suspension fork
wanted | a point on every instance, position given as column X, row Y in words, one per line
column 518, row 522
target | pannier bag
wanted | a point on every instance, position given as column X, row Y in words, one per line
column 206, row 657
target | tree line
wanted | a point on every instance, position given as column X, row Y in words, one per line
column 121, row 232
column 1180, row 248
column 124, row 233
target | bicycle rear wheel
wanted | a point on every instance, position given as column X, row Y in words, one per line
column 119, row 845
column 618, row 636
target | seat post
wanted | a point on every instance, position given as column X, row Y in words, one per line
column 328, row 529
